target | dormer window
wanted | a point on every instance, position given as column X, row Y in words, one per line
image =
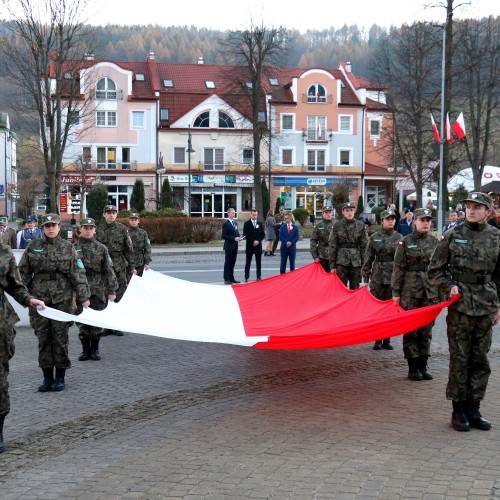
column 274, row 82
column 68, row 75
column 210, row 84
column 168, row 84
column 202, row 121
column 316, row 93
column 105, row 89
column 139, row 77
column 225, row 121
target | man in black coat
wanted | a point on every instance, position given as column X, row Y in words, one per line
column 231, row 237
column 253, row 231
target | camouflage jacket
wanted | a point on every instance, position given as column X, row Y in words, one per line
column 409, row 276
column 98, row 267
column 347, row 243
column 117, row 240
column 9, row 237
column 319, row 239
column 10, row 282
column 53, row 272
column 465, row 253
column 379, row 256
column 141, row 244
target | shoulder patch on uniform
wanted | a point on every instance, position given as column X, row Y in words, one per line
column 412, row 246
column 400, row 243
column 79, row 250
column 378, row 241
column 37, row 250
column 460, row 241
column 149, row 242
column 109, row 259
column 79, row 263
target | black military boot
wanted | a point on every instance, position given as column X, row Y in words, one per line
column 94, row 349
column 422, row 368
column 2, row 447
column 85, row 355
column 386, row 344
column 458, row 419
column 378, row 345
column 475, row 418
column 58, row 384
column 118, row 333
column 48, row 380
column 413, row 371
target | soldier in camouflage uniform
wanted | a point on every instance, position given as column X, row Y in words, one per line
column 52, row 271
column 347, row 242
column 102, row 283
column 115, row 237
column 319, row 239
column 279, row 218
column 141, row 243
column 466, row 262
column 10, row 282
column 411, row 289
column 379, row 261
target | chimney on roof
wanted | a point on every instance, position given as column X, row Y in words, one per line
column 200, row 60
column 348, row 66
column 151, row 56
column 89, row 56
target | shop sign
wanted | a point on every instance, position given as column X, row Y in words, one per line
column 316, row 181
column 63, row 203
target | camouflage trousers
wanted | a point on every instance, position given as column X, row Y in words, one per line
column 418, row 342
column 7, row 349
column 381, row 291
column 52, row 337
column 122, row 278
column 469, row 341
column 351, row 275
column 87, row 332
column 325, row 264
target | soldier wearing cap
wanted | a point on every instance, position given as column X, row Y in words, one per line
column 466, row 262
column 141, row 243
column 411, row 289
column 319, row 239
column 114, row 235
column 379, row 262
column 347, row 245
column 8, row 235
column 30, row 232
column 52, row 271
column 102, row 283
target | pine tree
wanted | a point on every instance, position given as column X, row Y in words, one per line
column 97, row 199
column 166, row 200
column 138, row 198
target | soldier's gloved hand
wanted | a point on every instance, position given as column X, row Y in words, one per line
column 133, row 270
column 111, row 297
column 86, row 304
column 396, row 300
column 37, row 303
column 364, row 284
column 316, row 259
column 333, row 271
column 454, row 291
column 496, row 318
column 146, row 267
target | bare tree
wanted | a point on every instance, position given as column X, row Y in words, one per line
column 407, row 62
column 255, row 50
column 29, row 189
column 477, row 83
column 45, row 52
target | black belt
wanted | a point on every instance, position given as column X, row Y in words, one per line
column 50, row 276
column 349, row 245
column 472, row 279
column 91, row 272
column 384, row 258
column 421, row 267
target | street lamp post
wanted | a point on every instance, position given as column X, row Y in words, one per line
column 160, row 169
column 189, row 151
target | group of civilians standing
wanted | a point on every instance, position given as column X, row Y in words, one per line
column 414, row 270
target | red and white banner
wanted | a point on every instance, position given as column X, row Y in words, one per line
column 459, row 127
column 322, row 314
column 435, row 130
column 447, row 127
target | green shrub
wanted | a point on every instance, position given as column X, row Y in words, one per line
column 301, row 214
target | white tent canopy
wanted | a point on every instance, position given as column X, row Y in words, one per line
column 427, row 194
column 490, row 173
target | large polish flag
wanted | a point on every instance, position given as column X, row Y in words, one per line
column 435, row 130
column 459, row 127
column 316, row 311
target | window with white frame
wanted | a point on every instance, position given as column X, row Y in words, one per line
column 247, row 156
column 213, row 159
column 345, row 157
column 345, row 124
column 137, row 119
column 287, row 156
column 316, row 160
column 74, row 117
column 105, row 89
column 126, row 163
column 179, row 155
column 316, row 93
column 106, row 158
column 287, row 122
column 375, row 128
column 106, row 118
column 316, row 128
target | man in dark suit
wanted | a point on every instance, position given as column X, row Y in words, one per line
column 289, row 235
column 231, row 237
column 405, row 226
column 253, row 230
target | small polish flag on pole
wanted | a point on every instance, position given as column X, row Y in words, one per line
column 319, row 131
column 435, row 130
column 459, row 127
column 449, row 138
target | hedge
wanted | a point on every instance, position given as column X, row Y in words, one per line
column 163, row 230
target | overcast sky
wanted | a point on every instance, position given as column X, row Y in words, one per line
column 237, row 14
